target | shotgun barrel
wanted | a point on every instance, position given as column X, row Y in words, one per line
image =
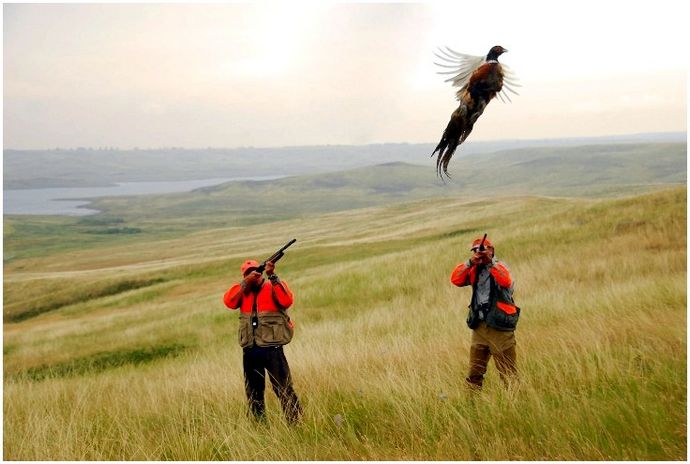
column 275, row 257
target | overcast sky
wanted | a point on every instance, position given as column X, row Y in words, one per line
column 228, row 75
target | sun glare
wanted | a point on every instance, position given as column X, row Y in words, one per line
column 276, row 34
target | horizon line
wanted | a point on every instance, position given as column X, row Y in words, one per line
column 252, row 147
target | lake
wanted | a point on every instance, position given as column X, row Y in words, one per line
column 66, row 201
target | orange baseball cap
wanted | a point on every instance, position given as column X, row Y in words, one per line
column 478, row 240
column 248, row 266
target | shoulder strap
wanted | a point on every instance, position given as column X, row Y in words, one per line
column 477, row 269
column 255, row 311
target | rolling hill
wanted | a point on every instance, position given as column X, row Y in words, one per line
column 106, row 166
column 583, row 171
column 570, row 171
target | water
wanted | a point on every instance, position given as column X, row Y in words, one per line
column 70, row 201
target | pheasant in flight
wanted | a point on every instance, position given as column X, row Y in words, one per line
column 480, row 79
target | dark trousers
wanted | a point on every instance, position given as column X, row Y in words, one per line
column 259, row 360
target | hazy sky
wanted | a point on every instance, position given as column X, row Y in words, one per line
column 227, row 75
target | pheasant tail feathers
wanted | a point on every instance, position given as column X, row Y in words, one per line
column 459, row 128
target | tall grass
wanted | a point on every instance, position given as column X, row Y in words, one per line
column 381, row 348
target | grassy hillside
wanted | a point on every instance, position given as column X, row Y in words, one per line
column 126, row 352
column 598, row 170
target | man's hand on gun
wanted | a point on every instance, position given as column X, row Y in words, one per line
column 481, row 257
column 252, row 279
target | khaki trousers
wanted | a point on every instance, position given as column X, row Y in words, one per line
column 486, row 342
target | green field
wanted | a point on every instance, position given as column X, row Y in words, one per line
column 117, row 345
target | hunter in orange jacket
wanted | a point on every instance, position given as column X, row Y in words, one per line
column 264, row 327
column 466, row 274
column 492, row 313
column 272, row 296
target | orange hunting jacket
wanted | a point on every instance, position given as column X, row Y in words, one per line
column 465, row 274
column 503, row 314
column 271, row 297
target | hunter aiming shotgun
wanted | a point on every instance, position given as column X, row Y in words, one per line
column 264, row 327
column 277, row 255
column 493, row 314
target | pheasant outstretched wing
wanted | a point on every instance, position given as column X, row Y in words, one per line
column 459, row 66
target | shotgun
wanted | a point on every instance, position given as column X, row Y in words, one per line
column 279, row 254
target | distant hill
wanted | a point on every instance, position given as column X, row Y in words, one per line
column 593, row 170
column 98, row 167
column 584, row 171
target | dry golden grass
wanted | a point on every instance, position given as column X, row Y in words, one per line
column 381, row 340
